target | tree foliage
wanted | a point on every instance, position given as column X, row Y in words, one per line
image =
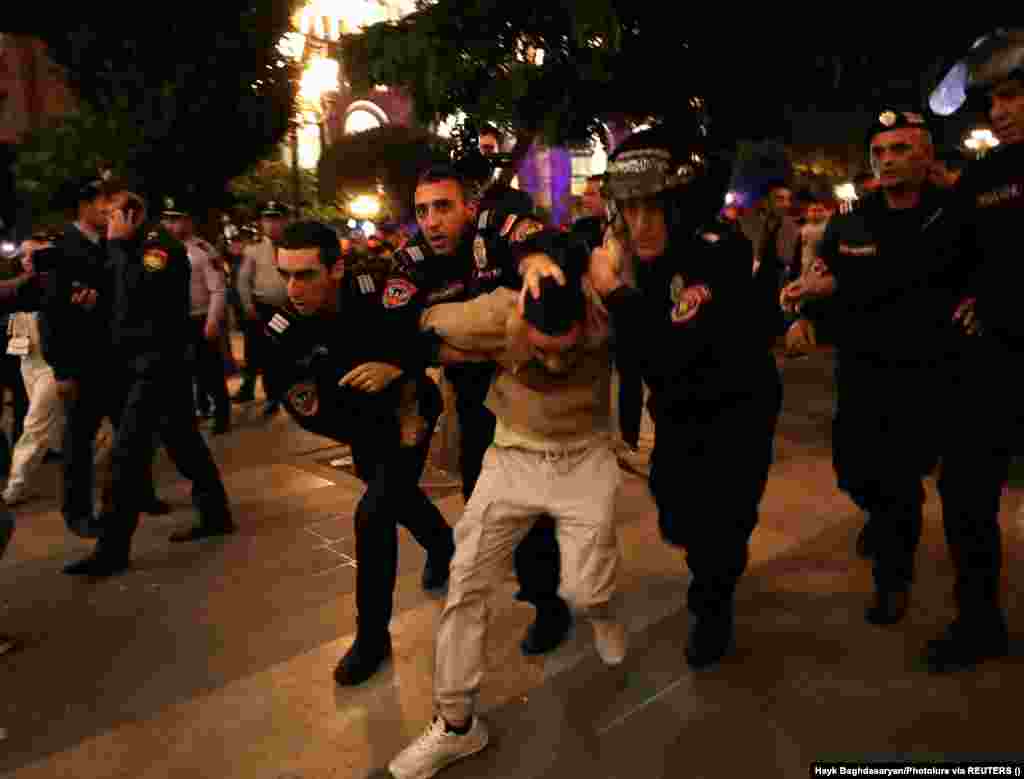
column 389, row 156
column 613, row 58
column 183, row 103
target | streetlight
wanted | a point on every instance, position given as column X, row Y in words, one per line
column 365, row 207
column 980, row 141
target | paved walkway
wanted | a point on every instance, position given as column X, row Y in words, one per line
column 214, row 659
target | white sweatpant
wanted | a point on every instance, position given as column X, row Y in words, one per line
column 515, row 486
column 44, row 422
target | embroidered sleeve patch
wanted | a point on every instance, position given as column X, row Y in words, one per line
column 304, row 399
column 154, row 259
column 398, row 292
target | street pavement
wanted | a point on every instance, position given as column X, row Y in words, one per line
column 214, row 659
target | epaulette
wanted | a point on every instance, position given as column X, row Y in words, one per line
column 366, row 285
column 279, row 323
column 415, row 253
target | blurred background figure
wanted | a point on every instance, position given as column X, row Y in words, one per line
column 44, row 422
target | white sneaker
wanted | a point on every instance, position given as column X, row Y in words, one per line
column 15, row 497
column 609, row 640
column 436, row 749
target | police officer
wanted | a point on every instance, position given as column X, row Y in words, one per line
column 991, row 191
column 261, row 291
column 458, row 254
column 693, row 328
column 208, row 309
column 339, row 373
column 76, row 342
column 895, row 269
column 151, row 334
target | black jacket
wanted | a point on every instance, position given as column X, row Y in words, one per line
column 309, row 355
column 901, row 274
column 150, row 327
column 723, row 352
column 76, row 342
column 991, row 193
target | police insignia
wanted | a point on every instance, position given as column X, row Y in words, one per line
column 888, row 118
column 154, row 259
column 676, row 288
column 508, row 224
column 304, row 399
column 480, row 252
column 525, row 229
column 689, row 302
column 398, row 292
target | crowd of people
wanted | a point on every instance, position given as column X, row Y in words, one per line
column 914, row 288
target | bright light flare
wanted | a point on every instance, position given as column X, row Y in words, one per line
column 365, row 207
column 319, row 78
column 846, row 191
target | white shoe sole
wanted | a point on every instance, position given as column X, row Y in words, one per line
column 607, row 655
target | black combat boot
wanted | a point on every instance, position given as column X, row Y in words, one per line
column 710, row 638
column 363, row 659
column 549, row 629
column 107, row 559
column 887, row 607
column 965, row 643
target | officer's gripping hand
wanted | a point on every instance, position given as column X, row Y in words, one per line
column 966, row 316
column 121, row 225
column 371, row 376
column 67, row 390
column 533, row 268
column 606, row 264
column 800, row 338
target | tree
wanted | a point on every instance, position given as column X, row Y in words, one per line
column 183, row 103
column 606, row 58
column 390, row 157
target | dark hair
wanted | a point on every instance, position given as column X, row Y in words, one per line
column 596, row 177
column 490, row 129
column 313, row 235
column 444, row 171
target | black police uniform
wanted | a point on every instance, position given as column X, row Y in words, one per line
column 151, row 335
column 76, row 343
column 991, row 193
column 308, row 356
column 715, row 396
column 484, row 261
column 902, row 366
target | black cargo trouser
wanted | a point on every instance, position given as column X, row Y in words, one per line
column 100, row 396
column 393, row 497
column 709, row 469
column 160, row 403
column 884, row 442
column 538, row 563
column 976, row 457
column 209, row 372
column 257, row 343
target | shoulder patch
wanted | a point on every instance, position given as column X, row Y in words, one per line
column 508, row 224
column 398, row 292
column 304, row 399
column 525, row 229
column 154, row 259
column 366, row 285
column 278, row 323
